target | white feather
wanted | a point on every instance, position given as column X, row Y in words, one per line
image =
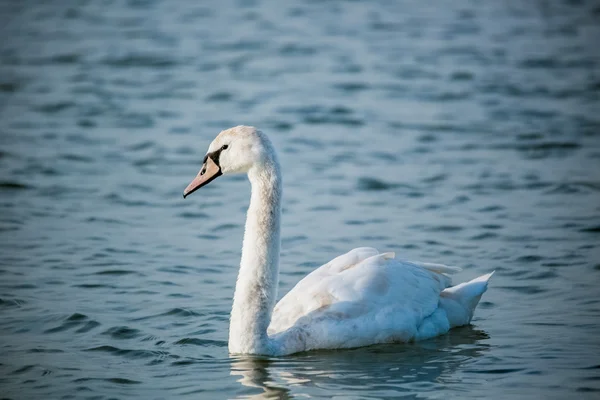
column 359, row 298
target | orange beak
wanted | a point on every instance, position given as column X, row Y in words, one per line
column 208, row 173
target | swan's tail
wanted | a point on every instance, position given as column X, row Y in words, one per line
column 460, row 301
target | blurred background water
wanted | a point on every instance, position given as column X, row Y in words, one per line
column 460, row 132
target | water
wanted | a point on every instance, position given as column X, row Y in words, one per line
column 467, row 134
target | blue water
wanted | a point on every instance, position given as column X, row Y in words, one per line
column 466, row 133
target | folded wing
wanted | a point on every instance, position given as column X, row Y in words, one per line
column 362, row 295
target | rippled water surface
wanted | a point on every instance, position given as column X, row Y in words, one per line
column 466, row 133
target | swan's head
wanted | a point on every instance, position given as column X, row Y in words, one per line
column 235, row 150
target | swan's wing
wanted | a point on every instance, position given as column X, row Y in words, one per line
column 338, row 264
column 361, row 283
column 297, row 301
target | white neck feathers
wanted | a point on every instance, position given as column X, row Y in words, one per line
column 258, row 278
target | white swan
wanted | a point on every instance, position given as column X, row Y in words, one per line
column 360, row 298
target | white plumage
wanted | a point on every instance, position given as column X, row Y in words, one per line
column 360, row 298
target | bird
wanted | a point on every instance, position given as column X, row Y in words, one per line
column 360, row 298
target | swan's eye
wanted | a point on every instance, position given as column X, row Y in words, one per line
column 224, row 147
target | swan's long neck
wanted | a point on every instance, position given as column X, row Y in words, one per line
column 256, row 288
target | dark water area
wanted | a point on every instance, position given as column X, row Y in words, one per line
column 466, row 133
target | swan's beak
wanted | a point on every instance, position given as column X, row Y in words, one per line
column 208, row 173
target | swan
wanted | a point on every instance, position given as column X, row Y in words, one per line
column 360, row 298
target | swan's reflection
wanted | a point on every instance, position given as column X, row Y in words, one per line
column 254, row 372
column 380, row 371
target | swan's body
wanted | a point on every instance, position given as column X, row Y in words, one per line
column 360, row 298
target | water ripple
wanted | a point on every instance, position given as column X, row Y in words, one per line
column 439, row 133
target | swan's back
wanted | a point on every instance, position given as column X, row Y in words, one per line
column 363, row 297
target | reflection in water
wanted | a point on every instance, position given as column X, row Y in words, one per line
column 255, row 373
column 382, row 370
